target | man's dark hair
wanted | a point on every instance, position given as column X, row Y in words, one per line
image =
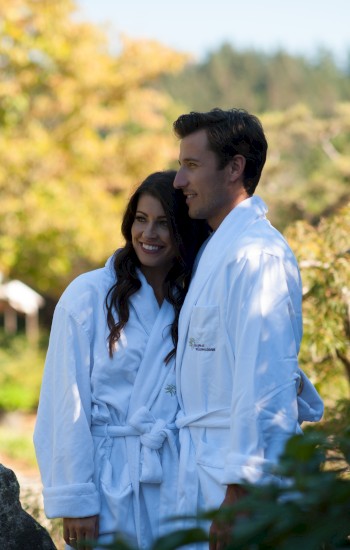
column 230, row 133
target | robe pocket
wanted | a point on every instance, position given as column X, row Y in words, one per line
column 204, row 327
column 116, row 498
column 208, row 455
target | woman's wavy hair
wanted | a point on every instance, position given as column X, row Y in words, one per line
column 187, row 236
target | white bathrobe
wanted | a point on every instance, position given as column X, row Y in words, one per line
column 105, row 436
column 237, row 368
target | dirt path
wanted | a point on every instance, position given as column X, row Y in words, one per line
column 28, row 476
column 18, row 424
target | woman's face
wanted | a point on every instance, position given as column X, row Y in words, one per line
column 150, row 235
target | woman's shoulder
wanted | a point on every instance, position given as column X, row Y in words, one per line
column 88, row 287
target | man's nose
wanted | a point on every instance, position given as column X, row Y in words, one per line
column 180, row 181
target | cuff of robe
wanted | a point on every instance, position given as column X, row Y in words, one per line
column 71, row 501
column 250, row 469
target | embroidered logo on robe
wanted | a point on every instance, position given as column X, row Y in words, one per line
column 198, row 347
column 170, row 388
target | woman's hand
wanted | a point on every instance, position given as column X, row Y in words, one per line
column 77, row 530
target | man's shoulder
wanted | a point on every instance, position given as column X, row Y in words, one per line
column 261, row 244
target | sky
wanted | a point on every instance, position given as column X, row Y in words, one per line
column 201, row 26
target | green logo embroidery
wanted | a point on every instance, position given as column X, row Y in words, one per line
column 199, row 347
column 171, row 388
column 192, row 343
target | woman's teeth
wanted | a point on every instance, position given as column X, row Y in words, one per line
column 150, row 247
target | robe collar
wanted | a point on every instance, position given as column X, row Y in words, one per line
column 227, row 235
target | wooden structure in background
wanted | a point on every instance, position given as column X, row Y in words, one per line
column 16, row 298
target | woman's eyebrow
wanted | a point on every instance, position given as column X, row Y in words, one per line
column 146, row 215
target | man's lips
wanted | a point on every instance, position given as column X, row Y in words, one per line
column 189, row 196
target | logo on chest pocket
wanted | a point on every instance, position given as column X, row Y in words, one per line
column 204, row 327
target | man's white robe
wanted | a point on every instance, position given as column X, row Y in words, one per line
column 105, row 436
column 237, row 369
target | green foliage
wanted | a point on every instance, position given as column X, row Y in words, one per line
column 17, row 447
column 312, row 512
column 259, row 81
column 79, row 127
column 324, row 258
column 307, row 174
column 21, row 367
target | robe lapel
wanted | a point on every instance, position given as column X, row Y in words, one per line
column 145, row 304
column 153, row 371
column 228, row 233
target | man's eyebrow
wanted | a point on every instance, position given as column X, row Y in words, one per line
column 189, row 159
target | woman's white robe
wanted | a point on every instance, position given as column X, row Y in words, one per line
column 237, row 368
column 105, row 437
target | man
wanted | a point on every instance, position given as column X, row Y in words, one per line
column 241, row 324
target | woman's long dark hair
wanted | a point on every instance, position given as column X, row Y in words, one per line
column 187, row 236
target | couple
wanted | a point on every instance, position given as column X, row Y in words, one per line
column 115, row 410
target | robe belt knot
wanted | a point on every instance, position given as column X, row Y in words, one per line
column 152, row 434
column 152, row 431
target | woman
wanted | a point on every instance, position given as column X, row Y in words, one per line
column 105, row 437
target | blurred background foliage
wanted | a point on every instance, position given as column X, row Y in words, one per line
column 81, row 126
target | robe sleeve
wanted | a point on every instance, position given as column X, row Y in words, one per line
column 264, row 327
column 62, row 436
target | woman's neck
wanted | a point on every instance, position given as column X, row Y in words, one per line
column 155, row 279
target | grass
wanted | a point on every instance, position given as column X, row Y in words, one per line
column 17, row 447
column 21, row 368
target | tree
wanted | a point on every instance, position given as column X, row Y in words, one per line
column 307, row 174
column 260, row 82
column 324, row 256
column 79, row 127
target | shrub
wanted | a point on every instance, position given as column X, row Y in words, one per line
column 21, row 367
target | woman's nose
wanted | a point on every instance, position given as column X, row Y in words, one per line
column 149, row 230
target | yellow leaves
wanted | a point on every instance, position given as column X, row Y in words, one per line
column 144, row 108
column 304, row 240
column 324, row 257
column 342, row 164
column 79, row 127
column 342, row 110
column 141, row 61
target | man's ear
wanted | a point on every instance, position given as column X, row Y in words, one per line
column 237, row 166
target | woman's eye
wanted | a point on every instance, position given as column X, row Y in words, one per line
column 140, row 219
column 163, row 223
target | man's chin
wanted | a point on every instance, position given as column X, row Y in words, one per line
column 195, row 214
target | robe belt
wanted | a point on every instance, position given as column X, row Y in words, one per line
column 310, row 408
column 152, row 433
column 219, row 418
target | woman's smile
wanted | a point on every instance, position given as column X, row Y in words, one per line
column 151, row 236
